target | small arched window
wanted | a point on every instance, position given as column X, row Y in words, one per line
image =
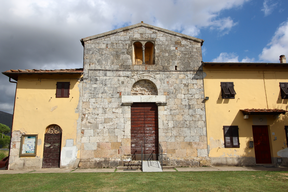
column 138, row 53
column 149, row 53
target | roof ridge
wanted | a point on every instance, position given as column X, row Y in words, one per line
column 139, row 25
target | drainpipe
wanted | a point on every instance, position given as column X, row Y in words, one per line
column 12, row 119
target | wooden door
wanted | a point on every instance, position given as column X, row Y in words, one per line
column 144, row 129
column 261, row 144
column 52, row 147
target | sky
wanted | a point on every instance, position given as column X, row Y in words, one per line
column 45, row 34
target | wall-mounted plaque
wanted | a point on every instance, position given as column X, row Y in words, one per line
column 28, row 146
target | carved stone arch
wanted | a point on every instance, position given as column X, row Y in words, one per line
column 144, row 87
column 53, row 129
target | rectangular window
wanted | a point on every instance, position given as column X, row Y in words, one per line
column 231, row 137
column 62, row 90
column 286, row 131
column 284, row 90
column 28, row 146
column 227, row 90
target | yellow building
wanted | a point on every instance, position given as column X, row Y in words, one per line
column 45, row 118
column 246, row 116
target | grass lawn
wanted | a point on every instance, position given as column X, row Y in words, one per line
column 173, row 181
column 3, row 153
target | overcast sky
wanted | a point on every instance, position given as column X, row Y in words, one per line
column 36, row 34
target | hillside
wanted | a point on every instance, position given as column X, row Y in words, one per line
column 6, row 118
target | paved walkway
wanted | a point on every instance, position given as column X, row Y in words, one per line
column 179, row 169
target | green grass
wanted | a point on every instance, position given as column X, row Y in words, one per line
column 173, row 181
column 3, row 154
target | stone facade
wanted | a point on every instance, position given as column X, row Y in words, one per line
column 112, row 83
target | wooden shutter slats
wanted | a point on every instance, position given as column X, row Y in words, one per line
column 62, row 89
column 284, row 90
column 227, row 89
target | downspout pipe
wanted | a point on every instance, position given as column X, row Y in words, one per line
column 11, row 80
column 12, row 120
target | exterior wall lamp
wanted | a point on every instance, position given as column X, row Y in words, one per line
column 246, row 117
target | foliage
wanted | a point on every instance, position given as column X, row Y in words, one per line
column 166, row 181
column 4, row 128
column 4, row 140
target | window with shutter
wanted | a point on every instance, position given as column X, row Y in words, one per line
column 62, row 89
column 231, row 137
column 284, row 90
column 227, row 90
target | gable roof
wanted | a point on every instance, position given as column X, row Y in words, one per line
column 140, row 25
column 15, row 73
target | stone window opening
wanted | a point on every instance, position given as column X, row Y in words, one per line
column 143, row 53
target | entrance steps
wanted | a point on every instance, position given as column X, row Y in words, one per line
column 151, row 166
column 130, row 165
column 148, row 166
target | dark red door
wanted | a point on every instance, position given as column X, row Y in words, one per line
column 144, row 129
column 51, row 155
column 261, row 144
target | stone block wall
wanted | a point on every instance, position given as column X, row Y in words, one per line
column 106, row 123
column 18, row 163
column 104, row 129
column 115, row 52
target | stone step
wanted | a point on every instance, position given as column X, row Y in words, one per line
column 129, row 167
column 168, row 167
column 151, row 166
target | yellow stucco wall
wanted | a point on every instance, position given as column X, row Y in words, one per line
column 36, row 107
column 256, row 87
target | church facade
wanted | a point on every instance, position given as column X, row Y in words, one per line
column 144, row 93
column 140, row 92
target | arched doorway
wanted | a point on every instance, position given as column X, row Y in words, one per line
column 52, row 147
column 144, row 122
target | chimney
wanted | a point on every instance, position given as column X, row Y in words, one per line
column 282, row 59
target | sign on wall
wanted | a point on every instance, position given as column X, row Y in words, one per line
column 28, row 145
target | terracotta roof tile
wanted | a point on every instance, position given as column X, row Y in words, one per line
column 79, row 70
column 12, row 73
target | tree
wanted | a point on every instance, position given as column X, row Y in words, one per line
column 4, row 129
column 4, row 139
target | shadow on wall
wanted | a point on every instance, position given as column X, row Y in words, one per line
column 246, row 135
column 199, row 74
column 47, row 83
column 232, row 156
